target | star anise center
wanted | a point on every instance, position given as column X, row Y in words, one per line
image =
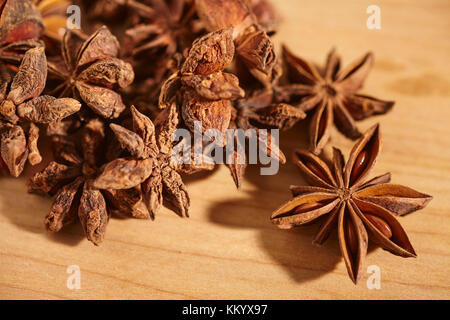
column 88, row 170
column 327, row 89
column 344, row 194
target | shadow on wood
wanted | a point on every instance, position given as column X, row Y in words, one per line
column 291, row 249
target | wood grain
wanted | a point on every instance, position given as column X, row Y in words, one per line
column 228, row 248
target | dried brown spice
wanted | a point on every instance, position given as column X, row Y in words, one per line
column 70, row 180
column 159, row 30
column 254, row 59
column 253, row 45
column 90, row 70
column 360, row 210
column 229, row 78
column 206, row 89
column 152, row 30
column 259, row 112
column 332, row 94
column 215, row 99
column 21, row 107
column 148, row 167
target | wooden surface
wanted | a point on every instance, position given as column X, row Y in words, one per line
column 228, row 248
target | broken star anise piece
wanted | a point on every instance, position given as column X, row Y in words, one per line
column 360, row 210
column 148, row 167
column 332, row 94
column 22, row 107
column 91, row 70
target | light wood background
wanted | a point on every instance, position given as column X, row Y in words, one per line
column 228, row 249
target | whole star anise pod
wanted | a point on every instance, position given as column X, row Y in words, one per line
column 22, row 107
column 360, row 210
column 90, row 70
column 148, row 166
column 332, row 94
column 70, row 180
column 20, row 28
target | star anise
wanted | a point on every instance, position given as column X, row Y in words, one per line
column 253, row 45
column 147, row 167
column 70, row 180
column 257, row 112
column 22, row 107
column 206, row 90
column 20, row 28
column 261, row 105
column 208, row 93
column 90, row 70
column 361, row 210
column 162, row 28
column 332, row 94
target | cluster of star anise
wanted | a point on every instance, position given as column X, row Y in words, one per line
column 111, row 95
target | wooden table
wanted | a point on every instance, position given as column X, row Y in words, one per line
column 229, row 248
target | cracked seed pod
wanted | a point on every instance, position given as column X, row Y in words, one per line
column 341, row 198
column 210, row 53
column 206, row 91
column 211, row 114
column 91, row 71
column 21, row 107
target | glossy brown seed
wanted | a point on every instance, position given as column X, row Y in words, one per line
column 316, row 170
column 352, row 241
column 322, row 126
column 380, row 224
column 307, row 207
column 360, row 165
